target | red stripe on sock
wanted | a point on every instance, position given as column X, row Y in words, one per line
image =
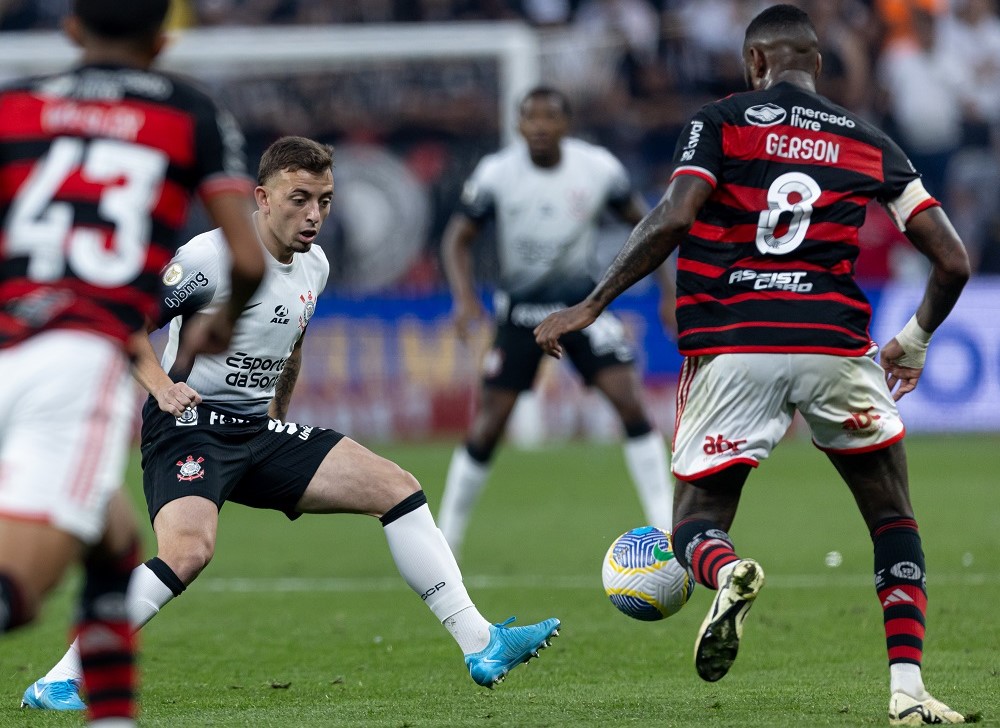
column 708, row 558
column 912, row 627
column 905, row 653
column 107, row 655
column 901, row 523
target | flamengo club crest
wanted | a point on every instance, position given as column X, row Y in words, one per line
column 191, row 469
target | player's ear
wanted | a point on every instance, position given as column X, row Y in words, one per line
column 260, row 197
column 756, row 63
column 73, row 29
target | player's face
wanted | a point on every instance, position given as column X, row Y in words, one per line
column 543, row 124
column 294, row 206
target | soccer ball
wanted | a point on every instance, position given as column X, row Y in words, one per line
column 641, row 576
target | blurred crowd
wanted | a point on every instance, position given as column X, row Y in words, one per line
column 926, row 71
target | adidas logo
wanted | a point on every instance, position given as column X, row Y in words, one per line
column 897, row 596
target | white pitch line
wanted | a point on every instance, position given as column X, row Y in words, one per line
column 529, row 581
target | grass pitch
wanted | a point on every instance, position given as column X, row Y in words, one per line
column 308, row 624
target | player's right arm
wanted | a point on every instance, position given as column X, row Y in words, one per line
column 211, row 334
column 172, row 397
column 456, row 256
column 225, row 189
column 650, row 244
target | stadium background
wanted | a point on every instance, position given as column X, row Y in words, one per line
column 412, row 94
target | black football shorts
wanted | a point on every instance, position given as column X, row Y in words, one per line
column 258, row 462
column 512, row 361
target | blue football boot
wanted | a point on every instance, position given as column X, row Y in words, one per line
column 508, row 648
column 54, row 695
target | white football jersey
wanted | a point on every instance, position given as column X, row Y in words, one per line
column 242, row 379
column 546, row 218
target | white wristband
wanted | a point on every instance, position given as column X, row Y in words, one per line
column 914, row 342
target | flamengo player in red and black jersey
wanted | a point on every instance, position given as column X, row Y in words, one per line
column 98, row 166
column 765, row 205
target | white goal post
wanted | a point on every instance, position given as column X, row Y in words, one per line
column 212, row 53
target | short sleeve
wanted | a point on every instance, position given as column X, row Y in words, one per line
column 195, row 279
column 897, row 171
column 221, row 155
column 699, row 148
column 478, row 197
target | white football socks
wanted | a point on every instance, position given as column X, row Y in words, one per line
column 426, row 563
column 646, row 458
column 462, row 488
column 905, row 677
column 145, row 597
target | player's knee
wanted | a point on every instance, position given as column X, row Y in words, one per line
column 188, row 555
column 402, row 485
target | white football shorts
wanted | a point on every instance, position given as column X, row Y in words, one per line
column 734, row 408
column 66, row 406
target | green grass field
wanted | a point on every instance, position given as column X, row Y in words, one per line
column 308, row 624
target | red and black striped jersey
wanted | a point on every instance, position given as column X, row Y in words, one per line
column 768, row 265
column 98, row 167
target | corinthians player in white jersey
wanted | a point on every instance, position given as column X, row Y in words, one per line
column 546, row 193
column 217, row 433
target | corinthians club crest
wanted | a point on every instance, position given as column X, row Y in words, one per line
column 308, row 308
column 190, row 469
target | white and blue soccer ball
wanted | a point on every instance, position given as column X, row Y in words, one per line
column 641, row 576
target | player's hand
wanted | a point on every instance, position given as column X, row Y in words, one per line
column 562, row 322
column 176, row 398
column 209, row 334
column 901, row 380
column 464, row 315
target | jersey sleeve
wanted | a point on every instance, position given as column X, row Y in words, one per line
column 478, row 197
column 221, row 153
column 699, row 148
column 195, row 279
column 902, row 194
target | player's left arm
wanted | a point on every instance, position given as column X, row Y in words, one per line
column 278, row 409
column 931, row 232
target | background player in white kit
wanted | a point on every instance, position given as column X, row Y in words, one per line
column 215, row 433
column 546, row 194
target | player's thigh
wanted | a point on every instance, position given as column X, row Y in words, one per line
column 846, row 403
column 301, row 469
column 186, row 462
column 353, row 479
column 731, row 409
column 67, row 404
